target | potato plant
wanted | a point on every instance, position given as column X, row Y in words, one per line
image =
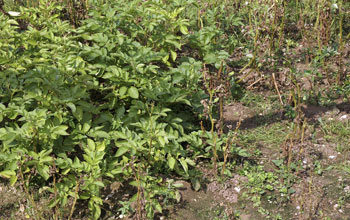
column 84, row 106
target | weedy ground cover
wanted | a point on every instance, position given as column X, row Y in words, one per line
column 109, row 109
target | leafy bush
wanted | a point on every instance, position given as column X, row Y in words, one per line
column 82, row 107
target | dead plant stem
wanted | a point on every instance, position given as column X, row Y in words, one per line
column 276, row 87
column 76, row 192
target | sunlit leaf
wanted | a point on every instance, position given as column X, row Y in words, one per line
column 91, row 144
column 60, row 130
column 121, row 151
column 184, row 164
column 171, row 162
column 7, row 173
column 133, row 92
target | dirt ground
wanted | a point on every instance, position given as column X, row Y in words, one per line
column 321, row 189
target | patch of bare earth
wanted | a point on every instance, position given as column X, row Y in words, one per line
column 194, row 205
column 320, row 190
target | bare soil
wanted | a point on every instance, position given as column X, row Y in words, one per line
column 323, row 195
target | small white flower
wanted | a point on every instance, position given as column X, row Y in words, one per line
column 298, row 207
column 332, row 157
column 237, row 189
column 14, row 13
column 343, row 117
column 249, row 55
column 335, row 6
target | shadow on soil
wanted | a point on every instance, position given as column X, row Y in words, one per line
column 251, row 121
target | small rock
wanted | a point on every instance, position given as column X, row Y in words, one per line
column 21, row 207
column 335, row 206
column 343, row 117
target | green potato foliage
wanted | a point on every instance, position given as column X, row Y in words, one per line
column 115, row 98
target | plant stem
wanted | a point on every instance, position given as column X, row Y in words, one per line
column 253, row 58
column 29, row 195
column 282, row 24
column 221, row 101
column 213, row 135
column 340, row 77
column 75, row 199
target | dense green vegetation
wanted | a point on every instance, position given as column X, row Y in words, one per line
column 98, row 92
